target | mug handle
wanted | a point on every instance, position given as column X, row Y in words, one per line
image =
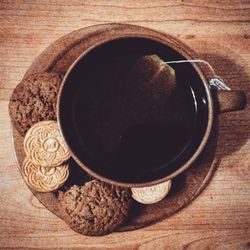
column 229, row 100
column 225, row 99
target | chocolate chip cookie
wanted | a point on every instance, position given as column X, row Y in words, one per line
column 95, row 208
column 34, row 100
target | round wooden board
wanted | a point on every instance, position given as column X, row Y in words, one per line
column 57, row 58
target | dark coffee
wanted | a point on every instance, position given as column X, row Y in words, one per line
column 126, row 128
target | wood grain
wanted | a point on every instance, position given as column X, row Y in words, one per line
column 219, row 32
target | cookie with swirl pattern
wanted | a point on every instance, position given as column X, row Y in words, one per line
column 42, row 179
column 44, row 145
column 151, row 194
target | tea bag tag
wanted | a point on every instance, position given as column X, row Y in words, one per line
column 218, row 83
column 215, row 82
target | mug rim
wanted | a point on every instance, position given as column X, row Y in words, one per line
column 173, row 44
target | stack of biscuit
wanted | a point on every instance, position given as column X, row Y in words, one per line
column 45, row 168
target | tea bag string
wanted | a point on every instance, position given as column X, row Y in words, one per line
column 215, row 81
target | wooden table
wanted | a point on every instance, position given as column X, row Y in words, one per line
column 219, row 31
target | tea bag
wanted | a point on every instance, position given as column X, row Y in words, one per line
column 145, row 85
column 155, row 76
column 128, row 95
column 143, row 99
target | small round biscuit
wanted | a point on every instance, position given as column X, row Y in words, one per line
column 34, row 100
column 43, row 179
column 44, row 145
column 151, row 194
column 96, row 208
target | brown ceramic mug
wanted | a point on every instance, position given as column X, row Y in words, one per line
column 121, row 133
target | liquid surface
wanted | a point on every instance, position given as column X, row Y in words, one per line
column 126, row 125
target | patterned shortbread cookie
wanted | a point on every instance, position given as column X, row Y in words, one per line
column 43, row 179
column 44, row 145
column 151, row 194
